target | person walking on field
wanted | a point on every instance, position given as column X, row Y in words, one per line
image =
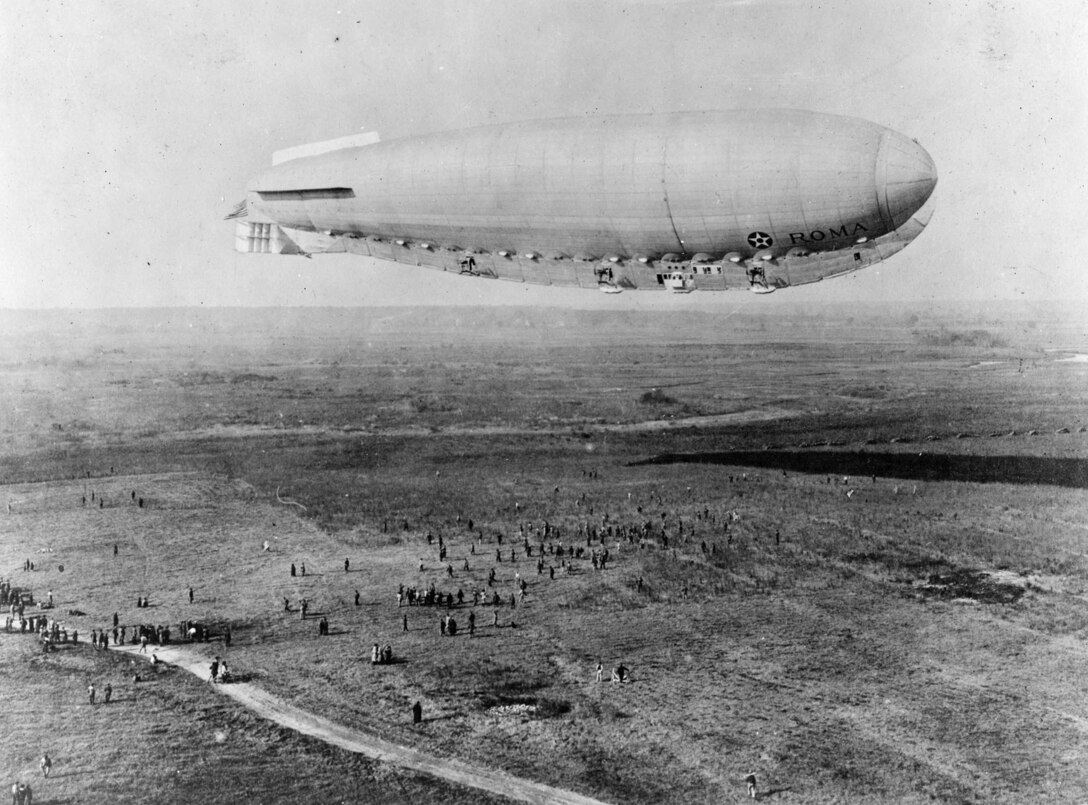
column 46, row 765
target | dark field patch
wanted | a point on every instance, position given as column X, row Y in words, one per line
column 1070, row 472
column 974, row 584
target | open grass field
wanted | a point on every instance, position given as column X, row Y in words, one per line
column 847, row 554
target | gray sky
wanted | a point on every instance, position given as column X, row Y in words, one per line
column 129, row 129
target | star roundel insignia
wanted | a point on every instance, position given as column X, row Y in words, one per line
column 760, row 240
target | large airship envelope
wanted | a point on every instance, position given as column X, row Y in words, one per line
column 756, row 199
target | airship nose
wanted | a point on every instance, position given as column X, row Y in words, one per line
column 906, row 177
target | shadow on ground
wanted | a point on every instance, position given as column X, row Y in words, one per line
column 1071, row 472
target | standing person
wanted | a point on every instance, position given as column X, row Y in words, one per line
column 190, row 595
column 90, row 692
column 214, row 670
column 108, row 690
column 405, row 623
column 417, row 713
column 600, row 670
column 356, row 598
column 750, row 781
column 347, row 564
column 226, row 637
column 46, row 765
column 293, row 572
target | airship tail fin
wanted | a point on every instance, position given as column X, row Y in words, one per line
column 325, row 146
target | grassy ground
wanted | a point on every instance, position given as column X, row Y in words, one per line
column 168, row 739
column 907, row 637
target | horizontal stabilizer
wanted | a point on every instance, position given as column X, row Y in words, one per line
column 257, row 238
column 240, row 211
column 253, row 237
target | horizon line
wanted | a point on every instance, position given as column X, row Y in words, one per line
column 701, row 307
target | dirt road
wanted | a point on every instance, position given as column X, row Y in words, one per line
column 279, row 711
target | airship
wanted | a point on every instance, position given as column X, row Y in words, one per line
column 755, row 200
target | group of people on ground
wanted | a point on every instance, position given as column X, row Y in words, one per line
column 218, row 671
column 92, row 692
column 21, row 794
column 620, row 673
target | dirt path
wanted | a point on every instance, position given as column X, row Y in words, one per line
column 279, row 711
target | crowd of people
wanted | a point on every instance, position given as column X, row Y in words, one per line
column 500, row 554
column 529, row 549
